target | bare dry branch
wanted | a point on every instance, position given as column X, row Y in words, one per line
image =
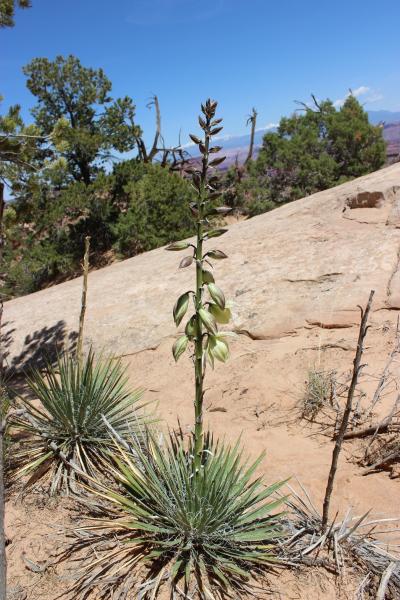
column 79, row 348
column 253, row 121
column 357, row 366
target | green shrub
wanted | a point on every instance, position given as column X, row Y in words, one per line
column 136, row 208
column 202, row 534
column 67, row 426
column 157, row 211
column 253, row 194
column 320, row 148
column 40, row 263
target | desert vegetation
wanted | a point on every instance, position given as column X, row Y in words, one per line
column 184, row 514
column 147, row 507
column 67, row 427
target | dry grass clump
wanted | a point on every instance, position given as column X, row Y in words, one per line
column 319, row 392
column 357, row 543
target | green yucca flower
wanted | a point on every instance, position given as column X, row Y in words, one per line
column 205, row 535
column 67, row 425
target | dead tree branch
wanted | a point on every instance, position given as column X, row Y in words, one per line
column 385, row 373
column 79, row 348
column 253, row 121
column 383, row 461
column 154, row 150
column 381, row 427
column 357, row 366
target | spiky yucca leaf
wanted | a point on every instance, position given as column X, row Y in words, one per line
column 67, row 425
column 205, row 534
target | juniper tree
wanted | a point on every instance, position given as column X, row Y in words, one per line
column 75, row 106
column 7, row 11
column 318, row 148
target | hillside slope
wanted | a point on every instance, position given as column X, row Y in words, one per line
column 309, row 261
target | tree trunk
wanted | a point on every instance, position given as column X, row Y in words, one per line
column 85, row 172
column 154, row 150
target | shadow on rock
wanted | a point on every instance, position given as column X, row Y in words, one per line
column 41, row 347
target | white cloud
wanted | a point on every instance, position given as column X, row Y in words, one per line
column 268, row 127
column 368, row 94
column 271, row 126
column 188, row 145
column 360, row 91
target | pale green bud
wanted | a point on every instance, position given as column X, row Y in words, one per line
column 222, row 316
column 179, row 347
column 208, row 321
column 218, row 348
column 217, row 295
column 180, row 308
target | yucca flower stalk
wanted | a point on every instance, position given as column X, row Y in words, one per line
column 202, row 326
column 189, row 515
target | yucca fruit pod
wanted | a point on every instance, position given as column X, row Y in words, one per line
column 208, row 299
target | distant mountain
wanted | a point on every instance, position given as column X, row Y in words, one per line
column 242, row 141
column 391, row 133
column 235, row 147
column 383, row 116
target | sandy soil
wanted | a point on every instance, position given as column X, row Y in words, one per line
column 257, row 395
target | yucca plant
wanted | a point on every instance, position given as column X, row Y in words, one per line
column 193, row 514
column 63, row 430
column 205, row 535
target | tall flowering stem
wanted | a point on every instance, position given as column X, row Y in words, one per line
column 201, row 329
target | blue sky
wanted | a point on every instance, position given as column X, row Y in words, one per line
column 244, row 53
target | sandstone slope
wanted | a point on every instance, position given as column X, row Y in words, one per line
column 307, row 263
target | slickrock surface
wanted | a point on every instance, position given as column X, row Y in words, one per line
column 295, row 277
column 305, row 264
